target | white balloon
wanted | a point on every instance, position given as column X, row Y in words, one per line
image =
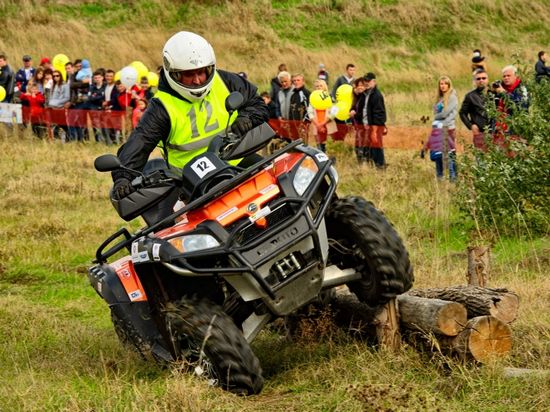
column 128, row 76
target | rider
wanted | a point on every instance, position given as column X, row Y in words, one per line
column 188, row 109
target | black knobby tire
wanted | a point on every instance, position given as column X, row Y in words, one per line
column 206, row 336
column 130, row 337
column 360, row 236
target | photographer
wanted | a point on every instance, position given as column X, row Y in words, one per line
column 512, row 95
column 473, row 112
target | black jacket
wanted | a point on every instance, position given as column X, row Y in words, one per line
column 473, row 109
column 299, row 102
column 154, row 126
column 376, row 109
column 7, row 81
column 541, row 71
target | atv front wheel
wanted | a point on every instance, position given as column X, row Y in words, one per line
column 361, row 237
column 205, row 336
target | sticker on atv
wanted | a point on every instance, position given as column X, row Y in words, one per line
column 322, row 157
column 263, row 212
column 203, row 166
column 135, row 295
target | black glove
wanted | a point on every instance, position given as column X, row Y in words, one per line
column 241, row 125
column 122, row 188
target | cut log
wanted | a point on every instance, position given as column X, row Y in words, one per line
column 478, row 266
column 497, row 302
column 436, row 316
column 483, row 339
column 387, row 326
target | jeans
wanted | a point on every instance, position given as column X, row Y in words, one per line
column 437, row 158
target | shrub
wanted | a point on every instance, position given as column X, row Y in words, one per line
column 509, row 190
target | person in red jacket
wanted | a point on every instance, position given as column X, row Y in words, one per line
column 33, row 113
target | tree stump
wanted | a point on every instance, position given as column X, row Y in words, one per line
column 497, row 302
column 436, row 316
column 478, row 265
column 387, row 326
column 483, row 339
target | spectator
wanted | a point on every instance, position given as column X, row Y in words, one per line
column 473, row 112
column 38, row 79
column 283, row 96
column 46, row 64
column 446, row 106
column 375, row 116
column 24, row 74
column 141, row 91
column 346, row 78
column 542, row 72
column 94, row 103
column 110, row 121
column 282, row 104
column 47, row 83
column 275, row 83
column 59, row 96
column 79, row 85
column 478, row 61
column 438, row 149
column 322, row 74
column 138, row 111
column 7, row 78
column 299, row 101
column 512, row 95
column 270, row 105
column 321, row 120
column 34, row 100
column 356, row 114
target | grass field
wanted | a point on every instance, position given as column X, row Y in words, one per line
column 59, row 350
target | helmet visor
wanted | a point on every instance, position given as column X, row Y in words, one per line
column 193, row 79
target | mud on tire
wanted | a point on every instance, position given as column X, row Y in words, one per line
column 207, row 337
column 360, row 236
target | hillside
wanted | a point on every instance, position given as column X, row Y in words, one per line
column 409, row 44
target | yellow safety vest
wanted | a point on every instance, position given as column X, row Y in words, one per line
column 194, row 124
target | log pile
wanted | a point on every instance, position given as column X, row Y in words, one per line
column 469, row 322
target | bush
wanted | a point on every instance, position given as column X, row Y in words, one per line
column 509, row 190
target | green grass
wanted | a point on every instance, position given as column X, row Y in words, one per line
column 60, row 351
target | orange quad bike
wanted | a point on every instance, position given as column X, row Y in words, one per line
column 249, row 246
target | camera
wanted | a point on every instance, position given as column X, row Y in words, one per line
column 496, row 85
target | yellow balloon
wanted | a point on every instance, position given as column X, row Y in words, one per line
column 141, row 69
column 320, row 100
column 117, row 76
column 343, row 110
column 153, row 79
column 2, row 94
column 61, row 68
column 344, row 93
column 59, row 60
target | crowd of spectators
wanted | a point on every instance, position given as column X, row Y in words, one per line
column 67, row 105
column 64, row 103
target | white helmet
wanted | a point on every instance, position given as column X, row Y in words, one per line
column 188, row 51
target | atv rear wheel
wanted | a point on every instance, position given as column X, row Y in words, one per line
column 205, row 336
column 361, row 237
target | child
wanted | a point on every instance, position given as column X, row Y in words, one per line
column 141, row 105
column 270, row 105
column 436, row 145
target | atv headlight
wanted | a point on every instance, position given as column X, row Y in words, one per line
column 304, row 175
column 193, row 243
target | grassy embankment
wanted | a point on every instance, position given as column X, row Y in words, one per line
column 59, row 351
column 408, row 44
